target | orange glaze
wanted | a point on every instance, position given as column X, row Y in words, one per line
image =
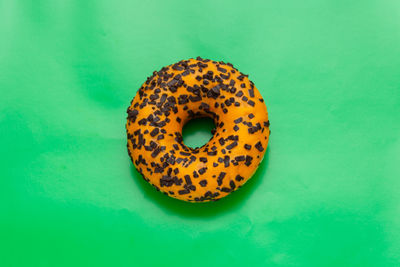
column 178, row 93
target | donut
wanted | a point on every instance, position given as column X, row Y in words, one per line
column 190, row 89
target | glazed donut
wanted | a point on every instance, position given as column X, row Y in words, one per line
column 190, row 89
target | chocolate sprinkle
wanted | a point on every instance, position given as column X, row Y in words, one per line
column 259, row 146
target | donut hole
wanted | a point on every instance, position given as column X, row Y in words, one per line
column 197, row 132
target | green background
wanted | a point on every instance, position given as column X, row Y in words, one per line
column 327, row 193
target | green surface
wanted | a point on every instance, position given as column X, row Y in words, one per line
column 327, row 193
column 197, row 132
